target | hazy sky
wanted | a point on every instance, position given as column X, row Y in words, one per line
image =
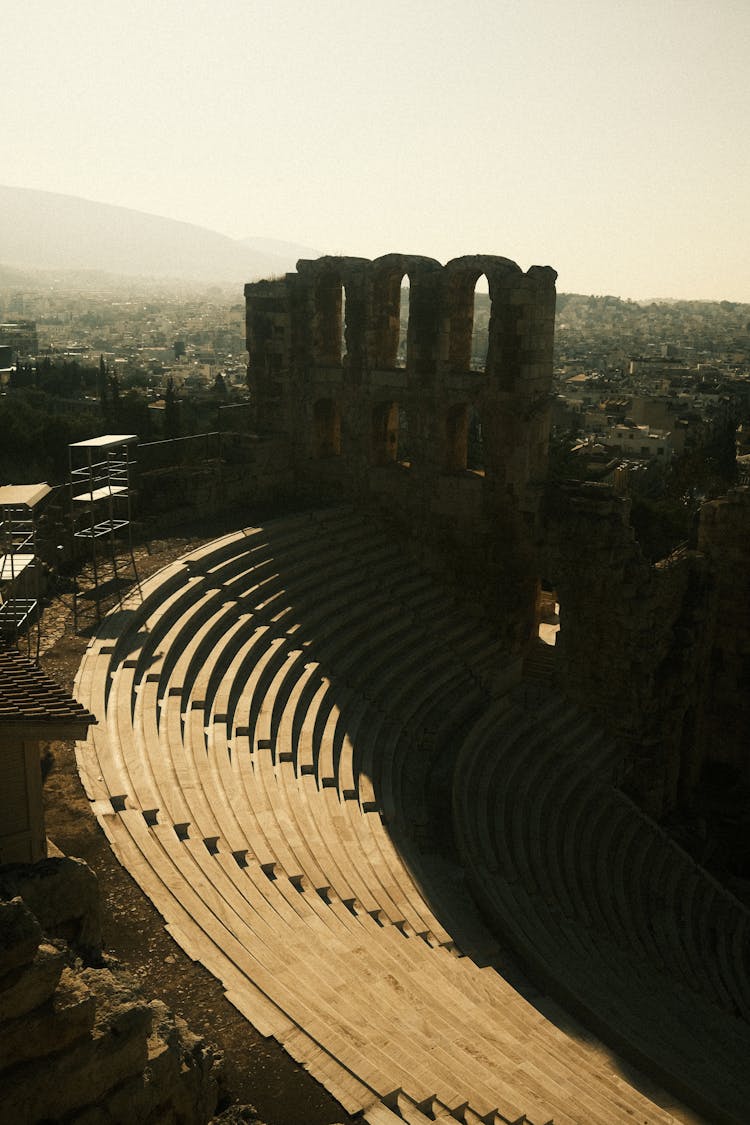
column 608, row 138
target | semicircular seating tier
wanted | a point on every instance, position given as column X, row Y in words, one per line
column 281, row 715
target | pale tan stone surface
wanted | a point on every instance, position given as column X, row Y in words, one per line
column 310, row 916
column 31, row 985
column 62, row 894
column 82, row 1044
column 51, row 1027
column 21, row 935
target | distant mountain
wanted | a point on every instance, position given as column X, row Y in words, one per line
column 46, row 230
column 277, row 248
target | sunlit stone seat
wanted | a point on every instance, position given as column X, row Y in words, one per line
column 263, row 768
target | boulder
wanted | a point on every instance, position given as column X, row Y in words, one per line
column 20, row 935
column 31, row 985
column 63, row 894
column 178, row 1085
column 78, row 1041
column 89, row 1069
column 66, row 1017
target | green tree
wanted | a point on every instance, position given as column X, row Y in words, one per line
column 102, row 385
column 172, row 425
column 114, row 399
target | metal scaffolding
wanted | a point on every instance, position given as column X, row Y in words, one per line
column 20, row 566
column 101, row 492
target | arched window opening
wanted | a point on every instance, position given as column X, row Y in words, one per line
column 474, row 442
column 391, row 318
column 456, row 438
column 342, row 326
column 385, row 433
column 468, row 310
column 330, row 335
column 480, row 325
column 406, row 433
column 548, row 614
column 403, row 320
column 326, row 428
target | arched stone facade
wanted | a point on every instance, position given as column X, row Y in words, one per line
column 402, row 429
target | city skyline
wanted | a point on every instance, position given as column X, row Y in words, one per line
column 603, row 139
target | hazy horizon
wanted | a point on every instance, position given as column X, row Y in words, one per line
column 604, row 139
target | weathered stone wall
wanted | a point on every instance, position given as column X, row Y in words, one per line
column 634, row 638
column 326, row 380
column 78, row 1041
column 181, row 494
column 724, row 538
column 662, row 651
column 659, row 651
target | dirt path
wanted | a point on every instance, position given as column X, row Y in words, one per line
column 258, row 1071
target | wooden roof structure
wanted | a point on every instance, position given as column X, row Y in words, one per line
column 33, row 705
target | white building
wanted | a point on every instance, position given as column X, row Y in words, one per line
column 639, row 442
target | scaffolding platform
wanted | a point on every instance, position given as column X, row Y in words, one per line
column 12, row 566
column 100, row 498
column 20, row 566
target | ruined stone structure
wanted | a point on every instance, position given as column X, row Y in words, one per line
column 634, row 638
column 363, row 423
column 324, row 767
column 640, row 644
column 724, row 540
column 660, row 651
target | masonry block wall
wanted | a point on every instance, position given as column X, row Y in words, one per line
column 724, row 538
column 451, row 450
column 661, row 651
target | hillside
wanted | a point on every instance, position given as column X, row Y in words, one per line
column 46, row 230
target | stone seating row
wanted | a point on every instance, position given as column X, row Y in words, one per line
column 672, row 908
column 325, row 769
column 390, row 1020
column 201, row 856
column 232, row 550
column 600, row 905
column 227, row 926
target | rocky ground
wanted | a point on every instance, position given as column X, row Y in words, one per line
column 258, row 1071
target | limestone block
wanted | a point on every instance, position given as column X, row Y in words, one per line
column 178, row 1084
column 20, row 935
column 52, row 1027
column 119, row 1004
column 31, row 985
column 64, row 896
column 238, row 1115
column 90, row 1068
column 183, row 1063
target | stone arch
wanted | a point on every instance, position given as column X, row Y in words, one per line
column 385, row 427
column 386, row 297
column 395, row 343
column 329, row 336
column 460, row 287
column 326, row 428
column 456, row 437
column 480, row 325
column 461, row 277
column 464, row 439
column 402, row 353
